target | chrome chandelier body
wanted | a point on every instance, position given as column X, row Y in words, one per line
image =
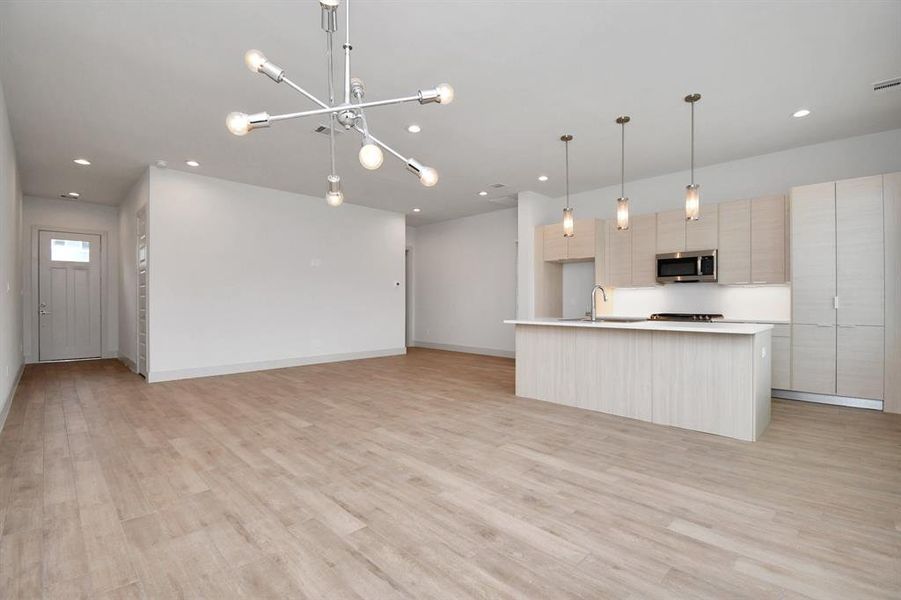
column 348, row 114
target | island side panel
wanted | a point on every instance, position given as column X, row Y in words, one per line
column 705, row 382
column 605, row 370
column 763, row 372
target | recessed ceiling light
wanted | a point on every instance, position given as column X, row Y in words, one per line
column 82, row 161
column 542, row 178
column 192, row 163
column 414, row 128
column 483, row 193
column 801, row 113
column 417, row 210
column 72, row 195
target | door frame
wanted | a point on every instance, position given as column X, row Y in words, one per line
column 35, row 287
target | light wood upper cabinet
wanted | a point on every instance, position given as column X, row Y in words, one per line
column 813, row 358
column 860, row 367
column 554, row 242
column 768, row 250
column 620, row 262
column 813, row 254
column 581, row 245
column 703, row 233
column 734, row 244
column 860, row 251
column 671, row 231
column 644, row 250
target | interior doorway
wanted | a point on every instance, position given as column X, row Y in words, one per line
column 69, row 296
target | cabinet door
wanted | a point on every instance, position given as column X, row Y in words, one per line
column 860, row 368
column 644, row 250
column 620, row 263
column 734, row 245
column 554, row 243
column 581, row 245
column 860, row 251
column 813, row 358
column 703, row 233
column 781, row 358
column 671, row 231
column 768, row 240
column 813, row 253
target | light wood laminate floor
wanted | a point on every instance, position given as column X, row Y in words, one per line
column 424, row 477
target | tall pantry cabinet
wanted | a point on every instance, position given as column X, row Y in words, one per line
column 838, row 260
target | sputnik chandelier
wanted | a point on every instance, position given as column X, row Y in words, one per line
column 348, row 114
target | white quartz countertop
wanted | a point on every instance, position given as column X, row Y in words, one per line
column 717, row 327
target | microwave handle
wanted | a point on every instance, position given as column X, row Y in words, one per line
column 699, row 266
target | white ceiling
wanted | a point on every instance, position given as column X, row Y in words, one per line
column 127, row 83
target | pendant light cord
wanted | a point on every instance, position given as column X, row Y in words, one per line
column 692, row 143
column 622, row 164
column 566, row 160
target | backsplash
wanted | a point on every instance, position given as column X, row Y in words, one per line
column 765, row 302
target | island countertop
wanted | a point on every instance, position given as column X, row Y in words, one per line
column 681, row 326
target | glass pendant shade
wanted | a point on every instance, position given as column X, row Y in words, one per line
column 622, row 213
column 692, row 202
column 567, row 222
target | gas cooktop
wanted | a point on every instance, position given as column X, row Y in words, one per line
column 685, row 317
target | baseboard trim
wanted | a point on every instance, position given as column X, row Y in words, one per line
column 174, row 374
column 12, row 394
column 132, row 366
column 828, row 399
column 466, row 349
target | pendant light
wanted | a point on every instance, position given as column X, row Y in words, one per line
column 693, row 190
column 568, row 211
column 622, row 203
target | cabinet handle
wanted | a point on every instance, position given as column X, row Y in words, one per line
column 760, row 282
column 835, row 302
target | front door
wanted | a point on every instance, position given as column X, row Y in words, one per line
column 69, row 295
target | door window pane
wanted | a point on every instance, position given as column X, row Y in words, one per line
column 70, row 250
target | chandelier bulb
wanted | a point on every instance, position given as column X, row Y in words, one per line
column 445, row 93
column 428, row 176
column 238, row 123
column 254, row 59
column 334, row 196
column 371, row 156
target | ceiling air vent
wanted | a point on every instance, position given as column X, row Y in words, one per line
column 323, row 129
column 886, row 84
column 497, row 185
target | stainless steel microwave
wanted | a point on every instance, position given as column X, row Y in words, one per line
column 698, row 265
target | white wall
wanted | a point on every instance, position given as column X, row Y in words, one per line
column 245, row 278
column 79, row 217
column 465, row 280
column 746, row 178
column 11, row 359
column 137, row 198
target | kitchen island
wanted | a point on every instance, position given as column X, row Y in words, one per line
column 710, row 377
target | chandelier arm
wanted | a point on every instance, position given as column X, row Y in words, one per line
column 305, row 93
column 391, row 150
column 347, row 49
column 340, row 107
column 331, row 99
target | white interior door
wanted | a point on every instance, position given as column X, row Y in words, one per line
column 69, row 295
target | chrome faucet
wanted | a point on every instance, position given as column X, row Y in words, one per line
column 594, row 292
